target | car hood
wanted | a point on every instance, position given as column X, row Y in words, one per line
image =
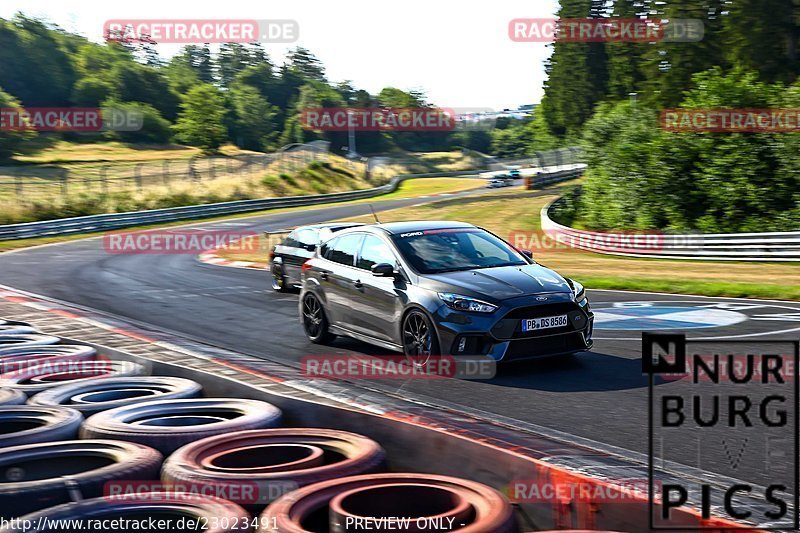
column 498, row 283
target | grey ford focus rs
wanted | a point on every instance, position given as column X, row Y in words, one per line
column 441, row 288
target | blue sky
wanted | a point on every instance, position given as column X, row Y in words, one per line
column 458, row 52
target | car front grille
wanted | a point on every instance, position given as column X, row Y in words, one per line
column 543, row 346
column 510, row 326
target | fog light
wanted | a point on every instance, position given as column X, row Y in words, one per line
column 462, row 344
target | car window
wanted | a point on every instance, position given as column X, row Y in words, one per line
column 325, row 249
column 343, row 250
column 291, row 240
column 373, row 251
column 448, row 250
column 307, row 237
column 486, row 249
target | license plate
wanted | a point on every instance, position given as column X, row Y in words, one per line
column 532, row 324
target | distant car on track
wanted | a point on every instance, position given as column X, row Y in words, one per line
column 288, row 256
column 495, row 184
column 514, row 172
column 432, row 288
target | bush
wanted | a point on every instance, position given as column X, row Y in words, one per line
column 641, row 177
column 155, row 128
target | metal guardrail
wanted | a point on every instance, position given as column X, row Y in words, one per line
column 772, row 246
column 105, row 222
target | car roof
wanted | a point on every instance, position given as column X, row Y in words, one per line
column 333, row 226
column 393, row 228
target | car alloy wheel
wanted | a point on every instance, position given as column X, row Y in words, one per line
column 419, row 340
column 315, row 322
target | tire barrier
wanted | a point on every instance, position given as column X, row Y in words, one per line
column 42, row 377
column 52, row 355
column 218, row 516
column 272, row 461
column 410, row 502
column 95, row 396
column 13, row 340
column 25, row 424
column 12, row 329
column 169, row 424
column 12, row 397
column 38, row 476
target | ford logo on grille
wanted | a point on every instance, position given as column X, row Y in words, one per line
column 541, row 298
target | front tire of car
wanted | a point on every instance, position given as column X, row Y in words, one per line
column 419, row 338
column 315, row 321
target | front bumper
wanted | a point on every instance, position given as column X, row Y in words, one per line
column 499, row 335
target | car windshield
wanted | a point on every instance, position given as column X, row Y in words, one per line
column 449, row 250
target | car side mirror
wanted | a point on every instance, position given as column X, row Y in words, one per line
column 310, row 247
column 527, row 253
column 383, row 270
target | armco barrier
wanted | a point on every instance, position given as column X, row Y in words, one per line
column 94, row 223
column 774, row 246
column 87, row 224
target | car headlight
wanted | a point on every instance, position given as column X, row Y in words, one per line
column 577, row 290
column 465, row 303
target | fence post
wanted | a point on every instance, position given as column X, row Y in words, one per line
column 138, row 176
column 192, row 169
column 19, row 187
column 104, row 180
column 540, row 159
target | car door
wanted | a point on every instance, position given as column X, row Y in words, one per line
column 338, row 278
column 378, row 304
column 301, row 240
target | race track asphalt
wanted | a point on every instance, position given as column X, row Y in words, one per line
column 600, row 395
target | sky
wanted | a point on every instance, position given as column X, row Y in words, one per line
column 458, row 52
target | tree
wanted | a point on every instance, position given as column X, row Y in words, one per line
column 762, row 35
column 198, row 58
column 577, row 75
column 233, row 58
column 11, row 141
column 253, row 125
column 201, row 121
column 33, row 64
column 89, row 92
column 626, row 59
column 138, row 83
column 155, row 128
column 306, row 64
column 669, row 66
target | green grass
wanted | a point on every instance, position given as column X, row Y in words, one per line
column 507, row 211
column 410, row 190
column 702, row 288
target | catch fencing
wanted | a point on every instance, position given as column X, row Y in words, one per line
column 106, row 222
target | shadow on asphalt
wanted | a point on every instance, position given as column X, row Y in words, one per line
column 584, row 372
